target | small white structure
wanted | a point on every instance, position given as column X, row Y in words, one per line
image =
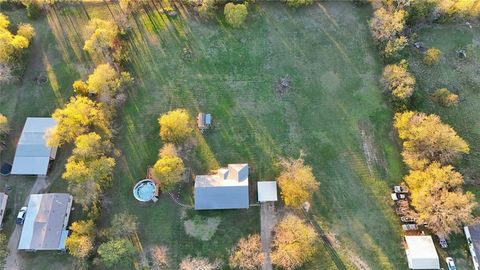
column 227, row 189
column 46, row 221
column 421, row 253
column 33, row 154
column 472, row 233
column 267, row 191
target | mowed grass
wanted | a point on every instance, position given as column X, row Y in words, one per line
column 326, row 53
column 461, row 77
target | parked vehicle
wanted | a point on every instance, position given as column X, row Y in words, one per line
column 407, row 219
column 399, row 189
column 443, row 242
column 409, row 227
column 450, row 263
column 21, row 215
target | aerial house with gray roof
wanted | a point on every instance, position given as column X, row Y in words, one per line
column 33, row 155
column 46, row 222
column 227, row 189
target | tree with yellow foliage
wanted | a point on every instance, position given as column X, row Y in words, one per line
column 105, row 83
column 175, row 126
column 398, row 80
column 297, row 182
column 247, row 253
column 80, row 242
column 434, row 178
column 13, row 45
column 169, row 168
column 427, row 139
column 77, row 118
column 431, row 57
column 26, row 30
column 3, row 130
column 438, row 198
column 386, row 24
column 88, row 170
column 293, row 243
column 102, row 35
column 3, row 124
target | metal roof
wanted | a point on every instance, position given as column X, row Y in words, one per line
column 267, row 191
column 227, row 189
column 46, row 222
column 33, row 154
column 421, row 252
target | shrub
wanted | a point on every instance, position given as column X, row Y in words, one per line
column 235, row 14
column 431, row 56
column 445, row 98
column 26, row 30
column 33, row 9
column 398, row 80
column 114, row 252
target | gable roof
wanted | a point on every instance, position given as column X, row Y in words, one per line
column 33, row 154
column 227, row 189
column 45, row 226
column 421, row 253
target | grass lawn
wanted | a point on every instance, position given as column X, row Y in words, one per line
column 334, row 111
column 460, row 76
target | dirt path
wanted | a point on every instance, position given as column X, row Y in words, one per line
column 14, row 260
column 268, row 219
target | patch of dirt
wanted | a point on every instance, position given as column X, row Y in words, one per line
column 202, row 228
column 372, row 155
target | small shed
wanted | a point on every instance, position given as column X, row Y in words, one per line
column 267, row 191
column 3, row 206
column 421, row 252
column 204, row 121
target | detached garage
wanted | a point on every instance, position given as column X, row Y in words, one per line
column 421, row 253
column 33, row 155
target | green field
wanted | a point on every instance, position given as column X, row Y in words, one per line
column 334, row 111
column 460, row 76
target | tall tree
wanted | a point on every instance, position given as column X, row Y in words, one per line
column 175, row 126
column 169, row 168
column 398, row 80
column 438, row 198
column 117, row 251
column 297, row 182
column 386, row 24
column 247, row 253
column 293, row 243
column 77, row 118
column 80, row 242
column 102, row 35
column 427, row 139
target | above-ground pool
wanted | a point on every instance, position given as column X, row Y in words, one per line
column 144, row 190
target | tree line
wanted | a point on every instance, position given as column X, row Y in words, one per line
column 429, row 145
